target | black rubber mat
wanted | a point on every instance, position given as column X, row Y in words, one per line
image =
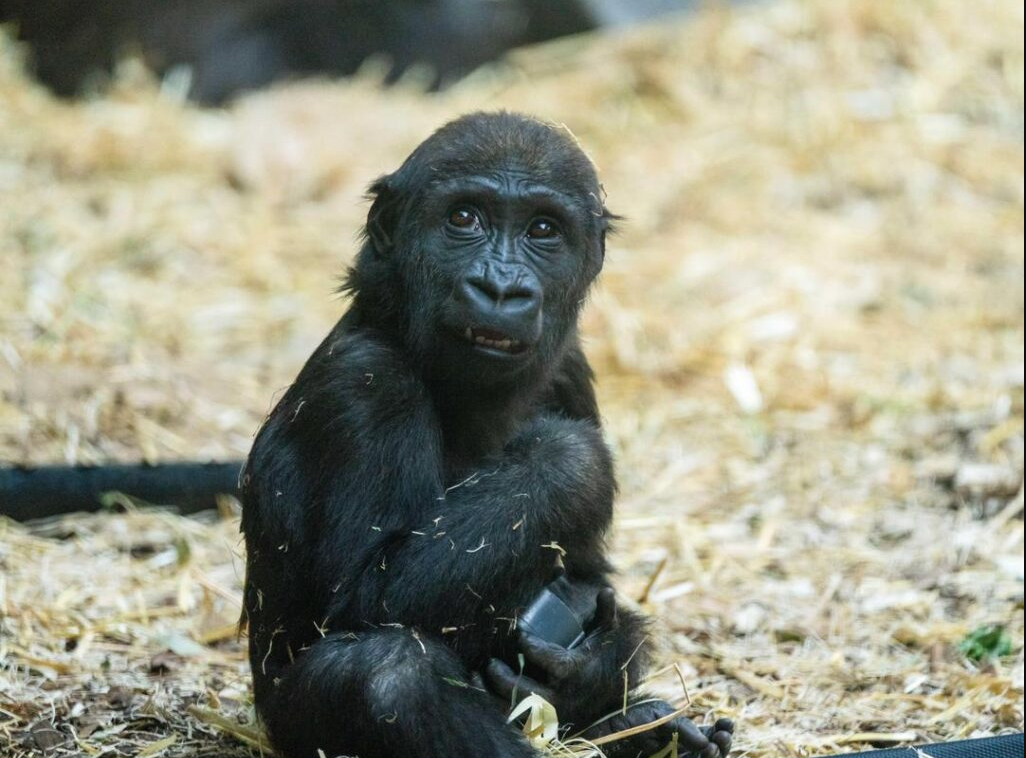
column 1005, row 746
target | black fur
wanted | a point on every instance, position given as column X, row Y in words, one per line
column 410, row 493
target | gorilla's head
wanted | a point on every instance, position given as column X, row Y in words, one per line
column 480, row 249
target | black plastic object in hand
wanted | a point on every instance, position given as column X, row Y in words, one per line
column 551, row 619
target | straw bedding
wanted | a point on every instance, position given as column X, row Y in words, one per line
column 808, row 338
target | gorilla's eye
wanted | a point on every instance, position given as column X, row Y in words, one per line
column 463, row 218
column 542, row 228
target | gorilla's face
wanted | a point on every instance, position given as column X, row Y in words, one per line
column 493, row 244
column 509, row 260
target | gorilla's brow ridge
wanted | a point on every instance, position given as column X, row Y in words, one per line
column 506, row 186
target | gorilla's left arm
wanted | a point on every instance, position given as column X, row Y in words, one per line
column 616, row 651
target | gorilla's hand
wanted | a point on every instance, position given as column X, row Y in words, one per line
column 574, row 680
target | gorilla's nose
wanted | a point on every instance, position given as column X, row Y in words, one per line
column 507, row 294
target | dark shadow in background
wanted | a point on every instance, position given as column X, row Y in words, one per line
column 232, row 46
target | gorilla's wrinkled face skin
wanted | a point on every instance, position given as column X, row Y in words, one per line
column 489, row 236
column 511, row 256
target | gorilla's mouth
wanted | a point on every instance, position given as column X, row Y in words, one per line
column 493, row 340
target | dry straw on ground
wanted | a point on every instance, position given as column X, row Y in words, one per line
column 809, row 343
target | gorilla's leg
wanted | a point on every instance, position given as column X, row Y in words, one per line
column 384, row 693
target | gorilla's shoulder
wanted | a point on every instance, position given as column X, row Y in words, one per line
column 361, row 363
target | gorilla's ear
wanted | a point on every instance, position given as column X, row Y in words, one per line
column 609, row 225
column 383, row 214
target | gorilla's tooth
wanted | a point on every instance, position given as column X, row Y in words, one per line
column 468, row 334
column 480, row 340
column 503, row 344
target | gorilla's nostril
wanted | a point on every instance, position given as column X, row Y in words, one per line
column 501, row 292
column 489, row 288
column 519, row 292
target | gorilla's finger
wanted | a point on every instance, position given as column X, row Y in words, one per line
column 511, row 686
column 690, row 736
column 555, row 660
column 723, row 740
column 501, row 679
column 605, row 608
column 724, row 725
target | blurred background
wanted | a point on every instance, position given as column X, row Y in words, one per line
column 808, row 335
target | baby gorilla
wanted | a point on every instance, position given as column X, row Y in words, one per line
column 409, row 495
